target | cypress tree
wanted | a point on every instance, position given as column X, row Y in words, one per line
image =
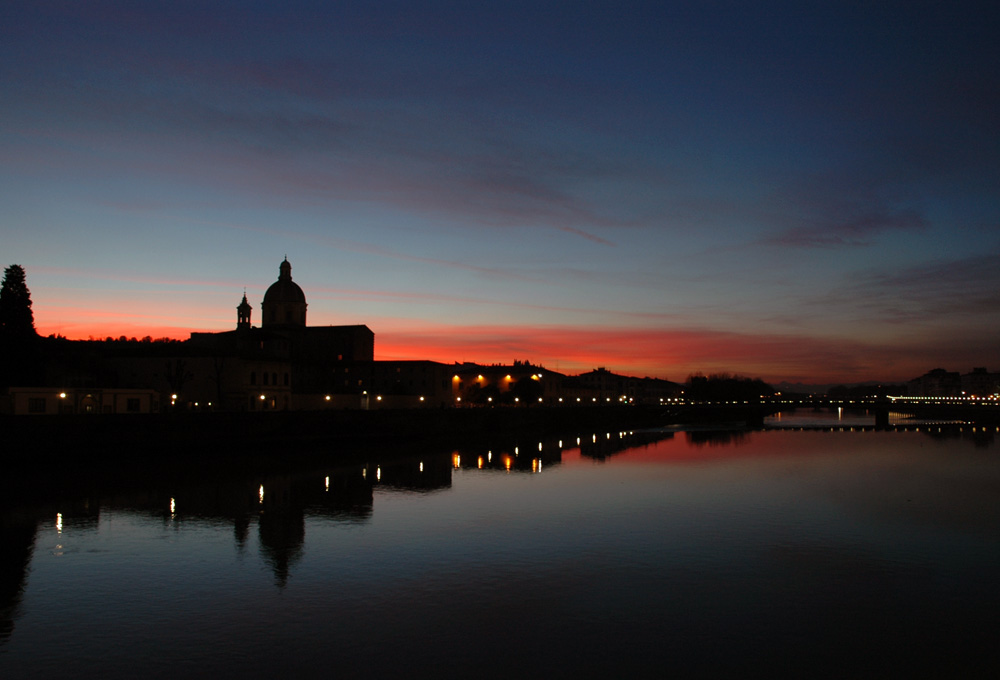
column 17, row 322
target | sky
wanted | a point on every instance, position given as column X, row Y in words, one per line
column 798, row 191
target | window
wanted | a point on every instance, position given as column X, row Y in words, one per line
column 253, row 377
column 286, row 379
column 265, row 378
column 274, row 378
column 132, row 405
column 36, row 405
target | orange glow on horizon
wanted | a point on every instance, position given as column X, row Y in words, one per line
column 660, row 353
column 654, row 352
column 102, row 331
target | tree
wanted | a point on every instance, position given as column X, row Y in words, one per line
column 16, row 319
column 723, row 387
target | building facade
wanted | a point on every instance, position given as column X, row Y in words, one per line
column 48, row 401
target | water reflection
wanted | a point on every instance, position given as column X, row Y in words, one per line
column 721, row 438
column 17, row 540
column 281, row 526
column 280, row 504
column 601, row 448
column 426, row 474
column 608, row 551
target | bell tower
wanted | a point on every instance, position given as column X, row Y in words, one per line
column 243, row 313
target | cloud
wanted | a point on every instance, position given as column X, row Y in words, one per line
column 81, row 274
column 468, row 302
column 856, row 231
column 336, row 125
column 954, row 293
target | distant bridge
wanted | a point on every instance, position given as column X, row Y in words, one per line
column 753, row 412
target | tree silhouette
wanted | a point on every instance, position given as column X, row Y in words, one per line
column 16, row 319
column 20, row 362
column 723, row 386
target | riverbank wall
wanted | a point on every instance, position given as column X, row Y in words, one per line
column 32, row 441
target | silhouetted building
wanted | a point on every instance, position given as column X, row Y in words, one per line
column 520, row 383
column 603, row 386
column 936, row 383
column 981, row 383
column 406, row 384
column 50, row 401
column 285, row 363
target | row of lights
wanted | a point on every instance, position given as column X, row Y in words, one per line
column 894, row 427
column 536, row 467
column 937, row 400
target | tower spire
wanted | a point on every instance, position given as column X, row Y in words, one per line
column 243, row 311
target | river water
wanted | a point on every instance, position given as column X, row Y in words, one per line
column 821, row 552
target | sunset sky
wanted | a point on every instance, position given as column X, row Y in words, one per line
column 801, row 191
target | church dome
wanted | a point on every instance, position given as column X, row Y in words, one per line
column 284, row 302
column 282, row 292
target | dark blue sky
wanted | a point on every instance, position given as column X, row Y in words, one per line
column 803, row 191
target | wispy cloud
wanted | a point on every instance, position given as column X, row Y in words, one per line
column 957, row 293
column 85, row 274
column 855, row 232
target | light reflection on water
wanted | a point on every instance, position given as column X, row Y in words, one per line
column 807, row 553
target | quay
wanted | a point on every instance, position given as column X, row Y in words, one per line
column 183, row 433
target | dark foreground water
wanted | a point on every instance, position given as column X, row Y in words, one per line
column 785, row 553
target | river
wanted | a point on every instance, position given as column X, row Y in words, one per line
column 817, row 547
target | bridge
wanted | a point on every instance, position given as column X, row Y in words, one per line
column 753, row 412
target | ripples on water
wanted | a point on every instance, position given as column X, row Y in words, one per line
column 709, row 554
